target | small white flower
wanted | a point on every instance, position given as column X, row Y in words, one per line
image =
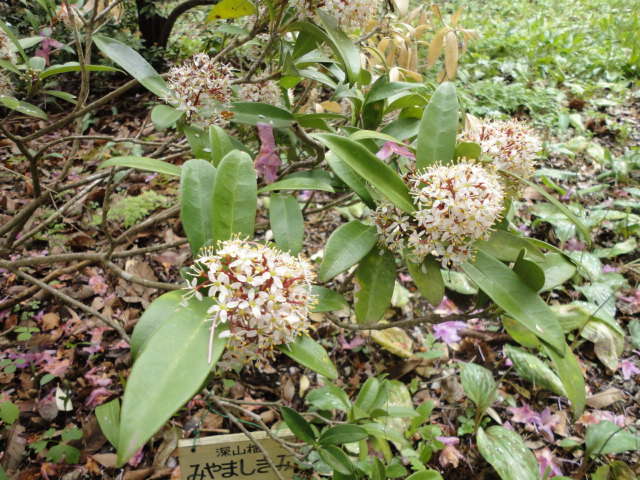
column 265, row 92
column 348, row 13
column 7, row 52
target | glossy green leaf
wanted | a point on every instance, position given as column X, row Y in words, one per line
column 354, row 181
column 341, row 434
column 375, row 276
column 506, row 246
column 250, row 113
column 557, row 270
column 198, row 141
column 425, row 475
column 220, row 144
column 346, row 246
column 287, row 222
column 309, row 353
column 570, row 373
column 231, row 9
column 516, row 298
column 196, row 193
column 23, row 107
column 519, row 333
column 235, row 197
column 371, row 168
column 438, row 128
column 390, row 89
column 133, row 63
column 328, row 300
column 468, row 150
column 478, row 385
column 529, row 272
column 606, row 438
column 368, row 394
column 143, row 163
column 108, row 415
column 74, row 67
column 66, row 96
column 507, row 454
column 298, row 425
column 157, row 385
column 329, row 397
column 427, row 277
column 298, row 183
column 336, row 459
column 534, row 370
column 161, row 309
column 342, row 46
column 164, row 116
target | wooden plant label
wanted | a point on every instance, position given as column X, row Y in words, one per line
column 234, row 457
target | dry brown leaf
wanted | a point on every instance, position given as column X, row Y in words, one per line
column 107, row 460
column 435, row 49
column 50, row 320
column 606, row 398
column 14, row 449
column 169, row 443
column 451, row 54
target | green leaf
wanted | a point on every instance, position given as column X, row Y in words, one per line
column 231, row 9
column 108, row 415
column 371, row 168
column 74, row 67
column 557, row 270
column 342, row 46
column 22, row 107
column 479, row 385
column 427, row 277
column 298, row 183
column 220, row 144
column 234, row 197
column 390, row 89
column 198, row 141
column 376, row 276
column 164, row 116
column 570, row 374
column 425, row 475
column 336, row 459
column 159, row 311
column 368, row 394
column 354, row 181
column 329, row 397
column 66, row 96
column 286, row 222
column 606, row 438
column 132, row 62
column 143, row 163
column 519, row 333
column 346, row 246
column 468, row 150
column 196, row 194
column 9, row 413
column 529, row 272
column 367, row 134
column 14, row 40
column 506, row 246
column 328, row 300
column 516, row 298
column 534, row 370
column 438, row 127
column 298, row 425
column 250, row 113
column 158, row 384
column 309, row 353
column 341, row 434
column 507, row 454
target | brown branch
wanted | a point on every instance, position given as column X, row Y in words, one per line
column 140, row 281
column 170, row 21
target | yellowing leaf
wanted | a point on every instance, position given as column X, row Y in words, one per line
column 451, row 54
column 231, row 9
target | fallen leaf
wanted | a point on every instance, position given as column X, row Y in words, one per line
column 606, row 398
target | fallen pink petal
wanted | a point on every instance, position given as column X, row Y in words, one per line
column 391, row 148
column 447, row 332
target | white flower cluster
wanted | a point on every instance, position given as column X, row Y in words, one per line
column 6, row 87
column 202, row 88
column 7, row 52
column 456, row 206
column 265, row 92
column 512, row 146
column 348, row 13
column 261, row 292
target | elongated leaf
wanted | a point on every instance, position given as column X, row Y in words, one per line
column 438, row 127
column 346, row 247
column 132, row 63
column 234, row 197
column 66, row 96
column 336, row 459
column 371, row 168
column 427, row 277
column 250, row 113
column 298, row 183
column 342, row 46
column 516, row 298
column 164, row 116
column 365, row 134
column 390, row 89
column 534, row 370
column 606, row 438
column 22, row 107
column 143, row 163
column 198, row 141
column 161, row 309
column 354, row 181
column 425, row 475
column 220, row 143
column 507, row 246
column 376, row 276
column 328, row 300
column 286, row 222
column 507, row 454
column 108, row 415
column 231, row 9
column 570, row 374
column 309, row 353
column 298, row 425
column 329, row 397
column 479, row 385
column 167, row 374
column 368, row 394
column 74, row 67
column 341, row 434
column 196, row 194
column 557, row 270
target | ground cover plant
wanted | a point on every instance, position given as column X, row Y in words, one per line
column 408, row 233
